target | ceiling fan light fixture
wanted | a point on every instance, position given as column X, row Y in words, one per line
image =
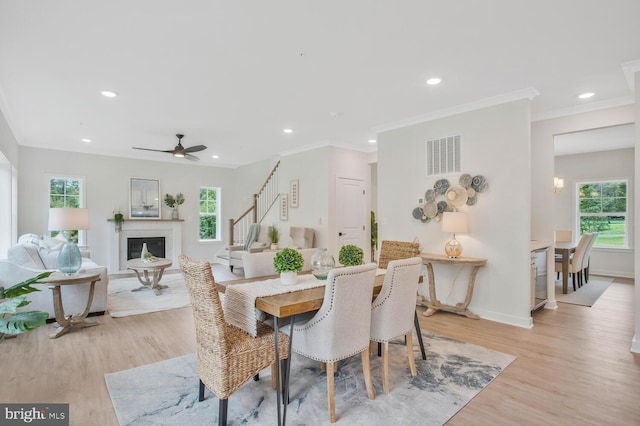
column 178, row 154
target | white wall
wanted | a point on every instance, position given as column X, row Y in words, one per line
column 107, row 187
column 496, row 144
column 9, row 157
column 635, row 344
column 617, row 164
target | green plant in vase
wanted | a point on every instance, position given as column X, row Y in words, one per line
column 118, row 218
column 350, row 255
column 13, row 322
column 174, row 202
column 274, row 236
column 288, row 262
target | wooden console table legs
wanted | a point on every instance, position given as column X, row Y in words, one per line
column 435, row 305
column 65, row 323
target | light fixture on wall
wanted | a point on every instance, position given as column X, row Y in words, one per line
column 454, row 222
column 558, row 184
column 66, row 219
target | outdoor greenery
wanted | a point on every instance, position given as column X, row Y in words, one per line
column 350, row 255
column 288, row 260
column 64, row 193
column 603, row 208
column 208, row 213
column 14, row 322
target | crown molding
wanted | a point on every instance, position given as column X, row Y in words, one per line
column 629, row 69
column 527, row 93
column 580, row 109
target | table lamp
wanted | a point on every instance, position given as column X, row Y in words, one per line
column 65, row 219
column 454, row 222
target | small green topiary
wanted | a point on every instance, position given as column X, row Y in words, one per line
column 288, row 260
column 350, row 255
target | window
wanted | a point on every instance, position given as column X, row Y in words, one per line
column 602, row 208
column 66, row 192
column 209, row 213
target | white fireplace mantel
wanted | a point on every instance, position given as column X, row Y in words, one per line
column 171, row 230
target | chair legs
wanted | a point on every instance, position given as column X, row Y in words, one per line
column 330, row 392
column 201, row 392
column 412, row 360
column 222, row 412
column 331, row 369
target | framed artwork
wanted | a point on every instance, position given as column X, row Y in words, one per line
column 284, row 207
column 294, row 190
column 144, row 198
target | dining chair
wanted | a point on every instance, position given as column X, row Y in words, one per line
column 576, row 261
column 393, row 309
column 227, row 356
column 340, row 329
column 564, row 235
column 395, row 250
column 586, row 260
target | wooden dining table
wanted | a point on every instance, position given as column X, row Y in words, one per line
column 292, row 303
column 565, row 250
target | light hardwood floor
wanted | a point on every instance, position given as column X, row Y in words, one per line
column 573, row 368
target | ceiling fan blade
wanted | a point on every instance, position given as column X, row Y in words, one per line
column 191, row 157
column 149, row 149
column 195, row 148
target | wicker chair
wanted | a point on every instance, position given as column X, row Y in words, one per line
column 227, row 357
column 340, row 329
column 392, row 312
column 396, row 250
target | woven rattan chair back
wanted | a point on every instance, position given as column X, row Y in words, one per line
column 396, row 250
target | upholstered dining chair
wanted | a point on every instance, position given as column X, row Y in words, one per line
column 576, row 261
column 586, row 259
column 393, row 309
column 395, row 250
column 340, row 329
column 227, row 356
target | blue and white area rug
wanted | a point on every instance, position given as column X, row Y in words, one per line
column 167, row 392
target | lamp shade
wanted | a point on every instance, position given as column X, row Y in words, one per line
column 68, row 218
column 454, row 222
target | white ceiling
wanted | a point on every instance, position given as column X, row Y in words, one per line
column 232, row 74
column 603, row 139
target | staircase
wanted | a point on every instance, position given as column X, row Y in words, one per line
column 262, row 203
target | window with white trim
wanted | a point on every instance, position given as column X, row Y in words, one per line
column 210, row 213
column 66, row 191
column 602, row 207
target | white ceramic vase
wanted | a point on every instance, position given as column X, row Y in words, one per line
column 288, row 278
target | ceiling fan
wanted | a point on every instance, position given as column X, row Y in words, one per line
column 179, row 150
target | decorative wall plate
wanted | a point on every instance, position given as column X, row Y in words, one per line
column 430, row 210
column 465, row 180
column 442, row 206
column 456, row 196
column 479, row 183
column 417, row 214
column 430, row 196
column 441, row 186
column 471, row 192
column 472, row 200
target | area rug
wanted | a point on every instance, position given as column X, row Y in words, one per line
column 587, row 295
column 121, row 301
column 453, row 373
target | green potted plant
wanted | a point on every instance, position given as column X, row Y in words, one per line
column 118, row 218
column 288, row 262
column 274, row 237
column 174, row 202
column 13, row 322
column 350, row 255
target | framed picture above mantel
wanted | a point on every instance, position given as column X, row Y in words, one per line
column 144, row 199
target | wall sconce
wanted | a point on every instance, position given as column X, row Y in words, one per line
column 558, row 184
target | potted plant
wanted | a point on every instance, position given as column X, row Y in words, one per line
column 288, row 262
column 274, row 237
column 350, row 255
column 174, row 202
column 13, row 322
column 118, row 218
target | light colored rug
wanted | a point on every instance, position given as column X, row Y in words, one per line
column 121, row 301
column 454, row 372
column 587, row 295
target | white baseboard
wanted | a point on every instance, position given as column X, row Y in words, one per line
column 612, row 273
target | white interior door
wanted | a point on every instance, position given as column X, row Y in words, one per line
column 350, row 213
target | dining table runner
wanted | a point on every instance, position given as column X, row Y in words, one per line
column 240, row 299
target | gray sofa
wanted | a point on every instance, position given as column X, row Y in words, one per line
column 34, row 255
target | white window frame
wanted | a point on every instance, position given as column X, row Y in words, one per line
column 628, row 237
column 82, row 235
column 216, row 214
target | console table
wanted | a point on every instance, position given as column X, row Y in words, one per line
column 434, row 304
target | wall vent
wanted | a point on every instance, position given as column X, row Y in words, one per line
column 443, row 155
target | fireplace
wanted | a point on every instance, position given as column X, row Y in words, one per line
column 155, row 246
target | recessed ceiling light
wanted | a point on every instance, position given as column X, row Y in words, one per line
column 433, row 81
column 109, row 93
column 586, row 95
column 288, row 130
column 87, row 140
column 215, row 156
column 372, row 141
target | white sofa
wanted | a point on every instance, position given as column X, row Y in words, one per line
column 32, row 256
column 261, row 264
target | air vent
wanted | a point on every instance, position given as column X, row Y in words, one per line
column 443, row 156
